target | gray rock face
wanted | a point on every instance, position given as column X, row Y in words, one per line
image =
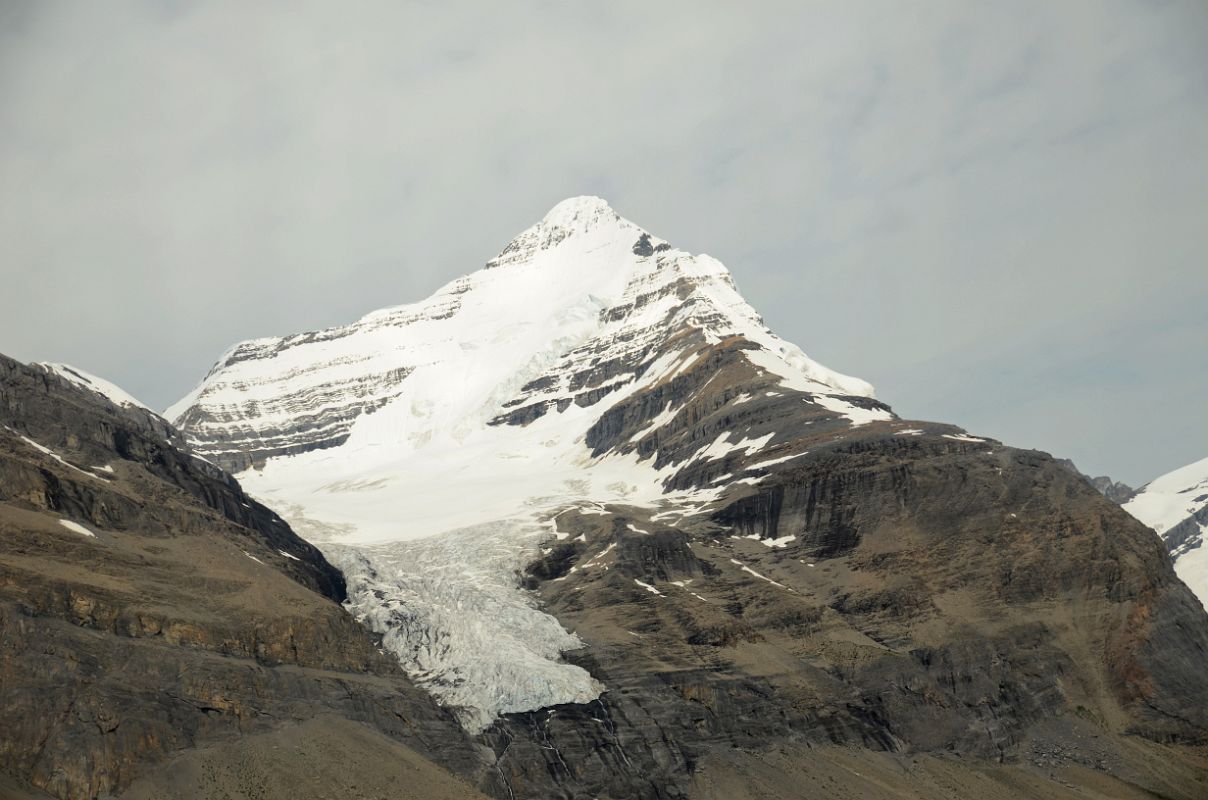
column 42, row 409
column 1188, row 535
column 1116, row 491
column 318, row 418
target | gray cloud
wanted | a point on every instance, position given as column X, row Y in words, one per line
column 995, row 212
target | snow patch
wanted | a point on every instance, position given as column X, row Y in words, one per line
column 963, row 437
column 76, row 527
column 745, row 568
column 783, row 541
column 648, row 587
column 780, row 460
column 856, row 415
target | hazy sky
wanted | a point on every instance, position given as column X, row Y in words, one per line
column 995, row 212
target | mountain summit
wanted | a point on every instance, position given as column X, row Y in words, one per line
column 574, row 308
column 509, row 386
column 607, row 517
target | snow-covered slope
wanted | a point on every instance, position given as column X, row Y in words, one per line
column 1176, row 506
column 1166, row 501
column 427, row 447
column 110, row 391
column 580, row 285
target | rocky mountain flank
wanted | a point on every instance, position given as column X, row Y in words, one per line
column 1175, row 506
column 150, row 611
column 686, row 560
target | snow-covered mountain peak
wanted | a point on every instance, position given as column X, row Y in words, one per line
column 586, row 301
column 590, row 363
column 579, row 225
column 581, row 213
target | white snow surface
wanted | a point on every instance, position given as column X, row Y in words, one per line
column 448, row 607
column 76, row 527
column 1192, row 567
column 428, row 508
column 1166, row 501
column 962, row 437
column 110, row 391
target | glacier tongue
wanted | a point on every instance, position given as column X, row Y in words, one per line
column 450, row 608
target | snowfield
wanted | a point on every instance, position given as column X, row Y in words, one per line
column 1169, row 503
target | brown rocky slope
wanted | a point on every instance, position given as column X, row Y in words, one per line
column 148, row 608
column 900, row 587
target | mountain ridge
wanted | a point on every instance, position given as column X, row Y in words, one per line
column 628, row 544
column 676, row 522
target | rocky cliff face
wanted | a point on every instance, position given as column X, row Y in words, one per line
column 148, row 607
column 624, row 532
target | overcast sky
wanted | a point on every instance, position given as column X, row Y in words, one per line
column 995, row 212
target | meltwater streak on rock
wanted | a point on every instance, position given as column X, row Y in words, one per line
column 466, row 415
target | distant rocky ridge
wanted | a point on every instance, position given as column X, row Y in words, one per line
column 1116, row 491
column 639, row 544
